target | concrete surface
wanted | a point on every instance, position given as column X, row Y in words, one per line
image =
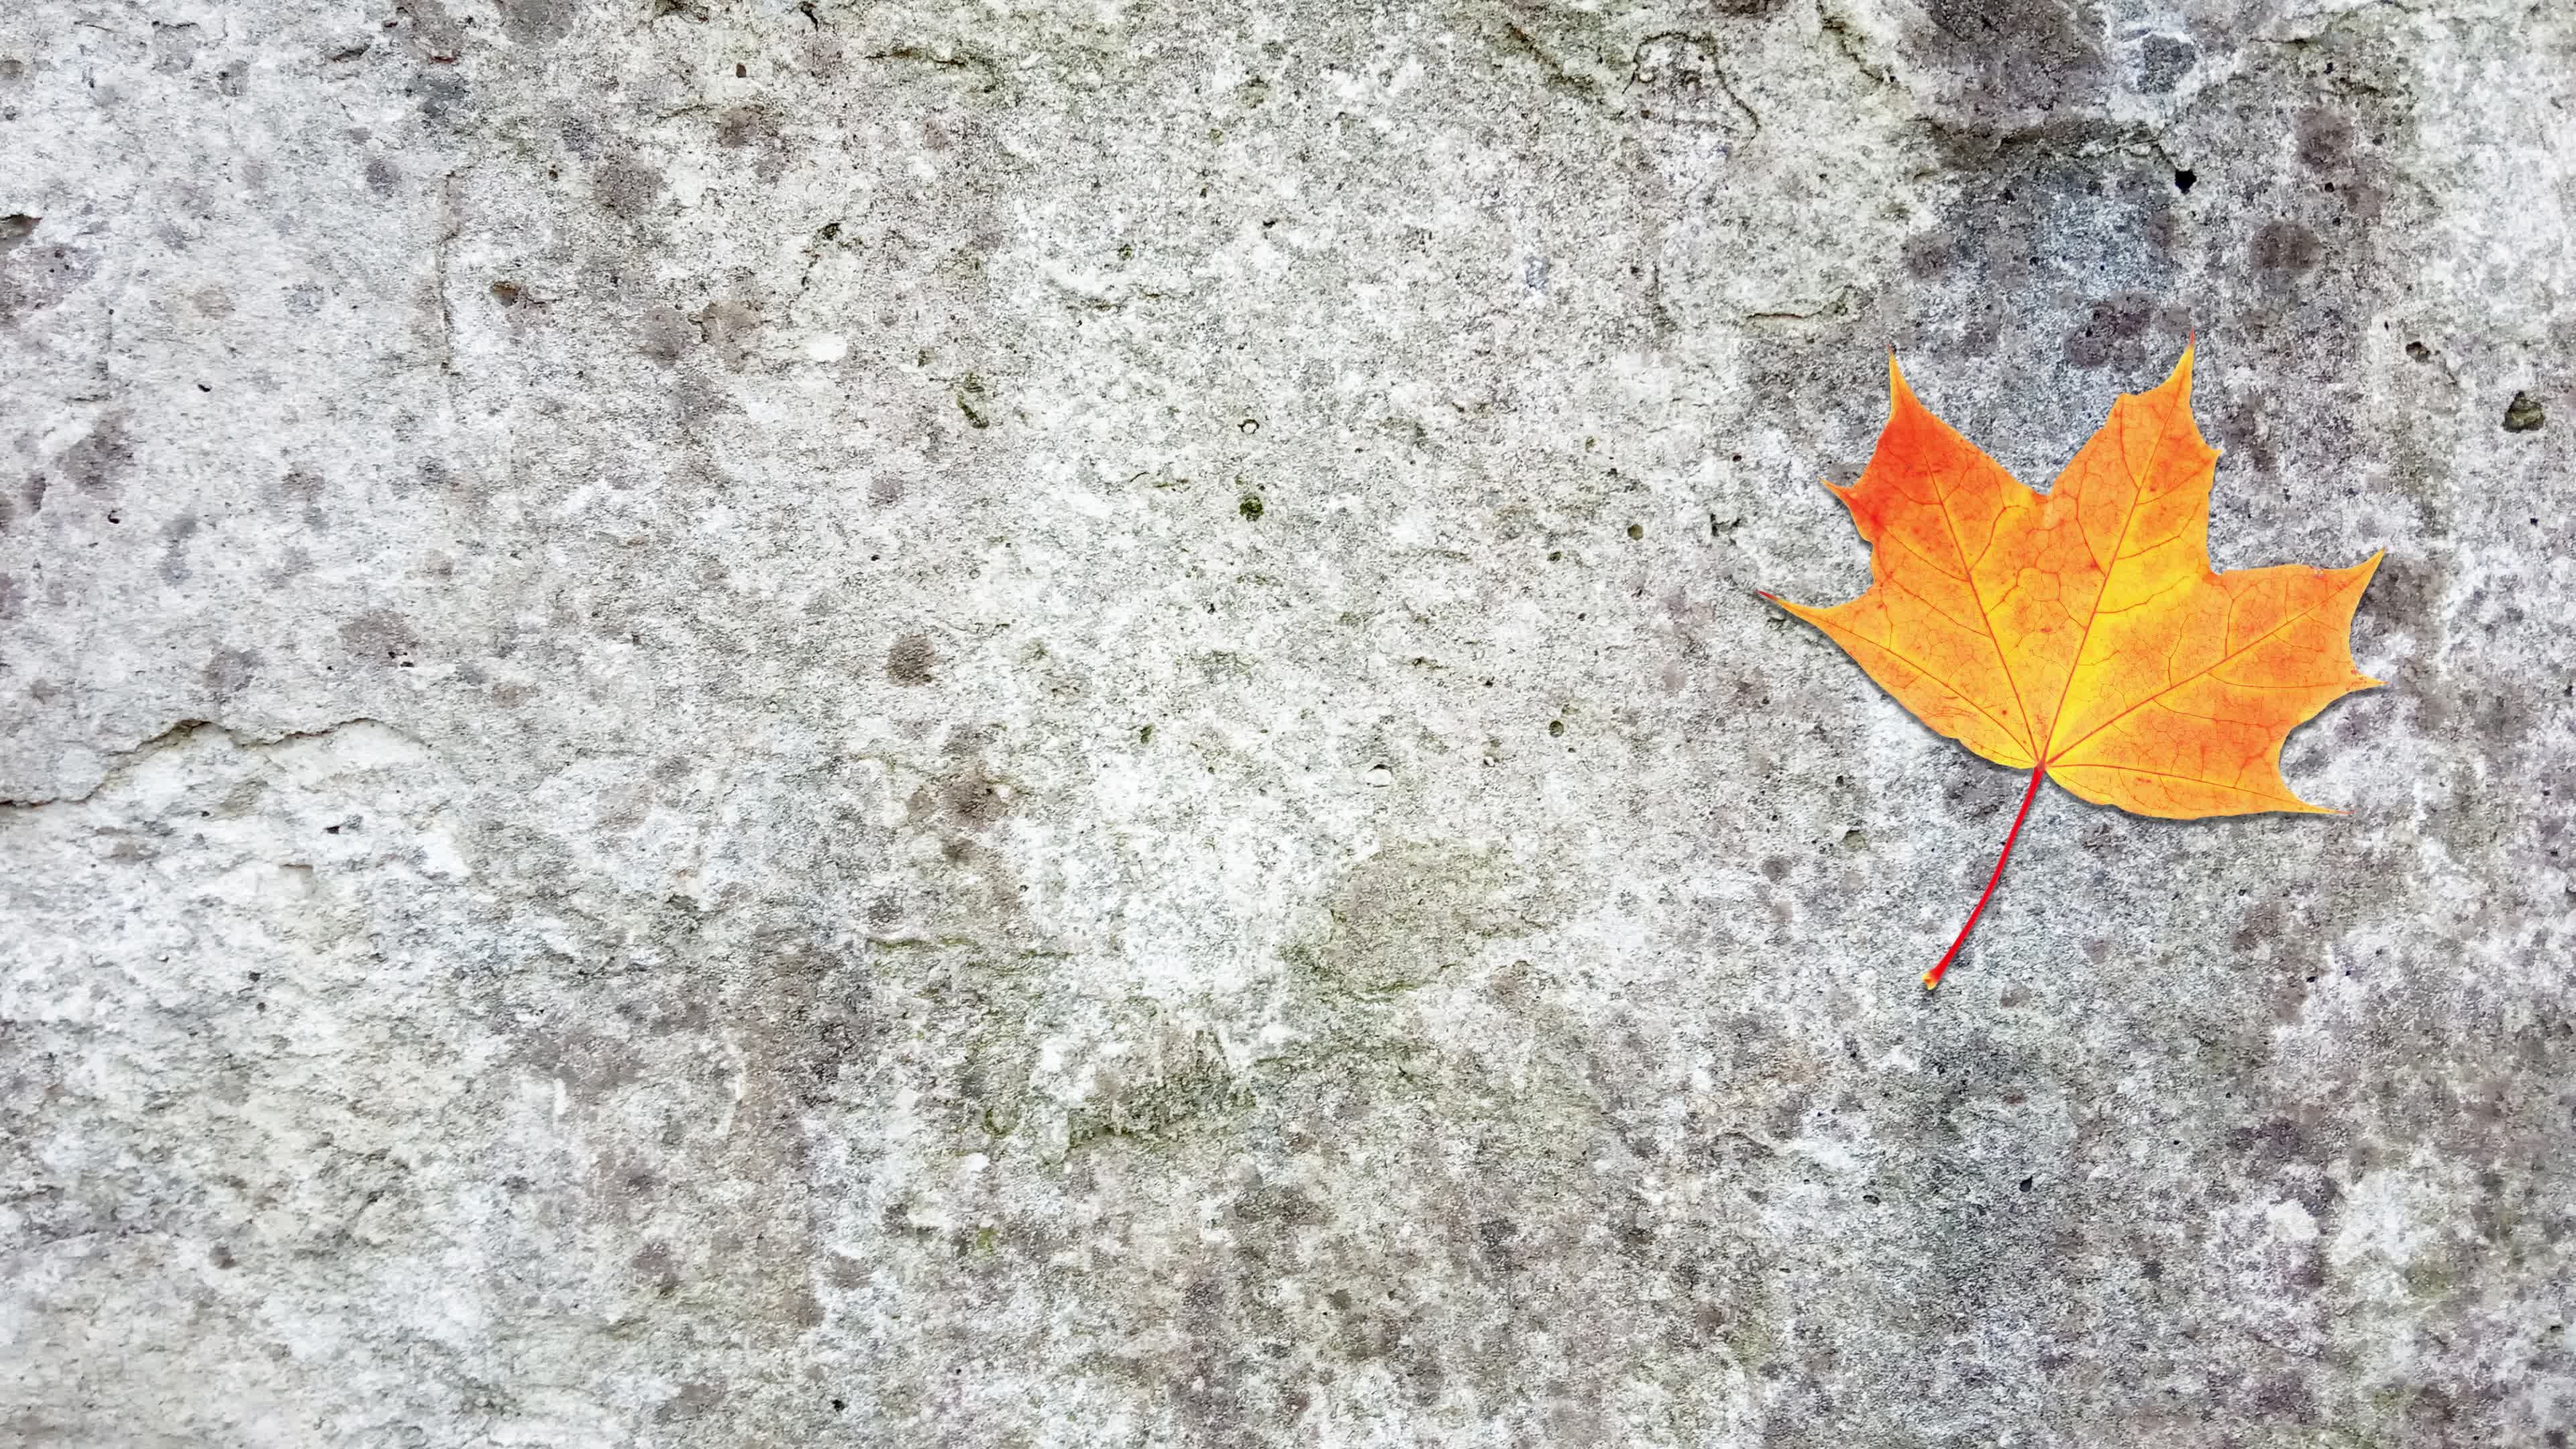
column 744, row 723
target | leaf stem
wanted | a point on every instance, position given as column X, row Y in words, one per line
column 1932, row 978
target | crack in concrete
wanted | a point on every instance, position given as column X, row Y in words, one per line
column 180, row 732
column 992, row 72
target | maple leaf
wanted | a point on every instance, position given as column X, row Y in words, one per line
column 2080, row 634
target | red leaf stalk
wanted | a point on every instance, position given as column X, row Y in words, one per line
column 1932, row 977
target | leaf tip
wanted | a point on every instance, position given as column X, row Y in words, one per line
column 2181, row 378
column 1899, row 393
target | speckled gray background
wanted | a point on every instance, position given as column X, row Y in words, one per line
column 672, row 792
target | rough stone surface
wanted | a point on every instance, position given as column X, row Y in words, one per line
column 756, row 723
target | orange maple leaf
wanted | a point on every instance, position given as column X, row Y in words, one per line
column 2081, row 634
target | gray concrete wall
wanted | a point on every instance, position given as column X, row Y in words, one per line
column 743, row 723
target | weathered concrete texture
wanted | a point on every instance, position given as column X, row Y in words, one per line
column 762, row 723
